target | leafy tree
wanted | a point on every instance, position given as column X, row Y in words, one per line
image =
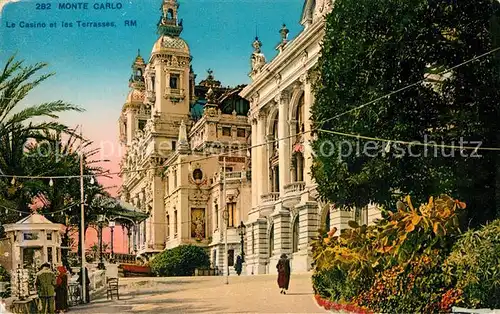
column 372, row 48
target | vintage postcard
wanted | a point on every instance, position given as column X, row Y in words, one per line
column 249, row 156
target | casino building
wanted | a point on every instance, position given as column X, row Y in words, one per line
column 285, row 210
column 173, row 132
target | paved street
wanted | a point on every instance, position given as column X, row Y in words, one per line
column 245, row 294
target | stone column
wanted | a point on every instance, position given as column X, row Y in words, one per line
column 282, row 232
column 308, row 102
column 262, row 178
column 340, row 219
column 284, row 144
column 255, row 169
column 309, row 223
column 256, row 256
column 157, row 221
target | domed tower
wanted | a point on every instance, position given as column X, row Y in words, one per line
column 134, row 114
column 168, row 71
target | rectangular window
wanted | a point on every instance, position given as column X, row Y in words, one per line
column 226, row 131
column 231, row 207
column 153, row 83
column 175, row 223
column 253, row 242
column 174, row 81
column 167, row 188
column 216, row 210
column 230, row 258
column 174, row 145
column 175, row 179
column 241, row 133
column 142, row 124
column 168, row 227
column 49, row 236
column 49, row 255
column 30, row 236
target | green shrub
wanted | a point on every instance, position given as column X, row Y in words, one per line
column 473, row 267
column 5, row 277
column 4, row 274
column 180, row 261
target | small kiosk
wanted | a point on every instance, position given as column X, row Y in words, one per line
column 34, row 240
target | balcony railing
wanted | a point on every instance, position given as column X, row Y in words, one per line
column 295, row 187
column 233, row 175
column 270, row 197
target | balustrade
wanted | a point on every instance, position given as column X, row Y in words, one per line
column 295, row 187
column 270, row 197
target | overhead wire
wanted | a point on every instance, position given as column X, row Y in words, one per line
column 319, row 128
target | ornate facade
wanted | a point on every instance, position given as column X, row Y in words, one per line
column 174, row 132
column 286, row 212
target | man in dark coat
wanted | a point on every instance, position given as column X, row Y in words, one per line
column 283, row 267
column 239, row 265
column 45, row 284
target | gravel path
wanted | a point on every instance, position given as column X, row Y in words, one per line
column 244, row 294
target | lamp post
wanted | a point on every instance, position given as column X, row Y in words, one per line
column 226, row 217
column 100, row 221
column 112, row 227
column 241, row 229
column 82, row 223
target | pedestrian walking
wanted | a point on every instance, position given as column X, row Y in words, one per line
column 239, row 265
column 45, row 284
column 62, row 290
column 283, row 267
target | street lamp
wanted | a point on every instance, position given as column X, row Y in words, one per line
column 241, row 230
column 100, row 222
column 112, row 227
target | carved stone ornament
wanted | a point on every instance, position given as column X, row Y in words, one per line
column 277, row 79
column 198, row 195
column 257, row 60
column 149, row 191
column 210, row 111
column 277, row 98
column 305, row 56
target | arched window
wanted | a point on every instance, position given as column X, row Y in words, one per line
column 139, row 72
column 275, row 128
column 295, row 235
column 170, row 14
column 271, row 241
column 299, row 116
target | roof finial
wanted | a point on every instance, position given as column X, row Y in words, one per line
column 284, row 34
column 138, row 52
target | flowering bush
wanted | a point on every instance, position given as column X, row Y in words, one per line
column 393, row 265
column 329, row 305
column 473, row 268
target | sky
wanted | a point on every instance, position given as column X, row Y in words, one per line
column 92, row 65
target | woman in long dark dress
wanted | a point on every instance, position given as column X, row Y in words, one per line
column 283, row 267
column 62, row 290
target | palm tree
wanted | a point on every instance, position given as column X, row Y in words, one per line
column 18, row 127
